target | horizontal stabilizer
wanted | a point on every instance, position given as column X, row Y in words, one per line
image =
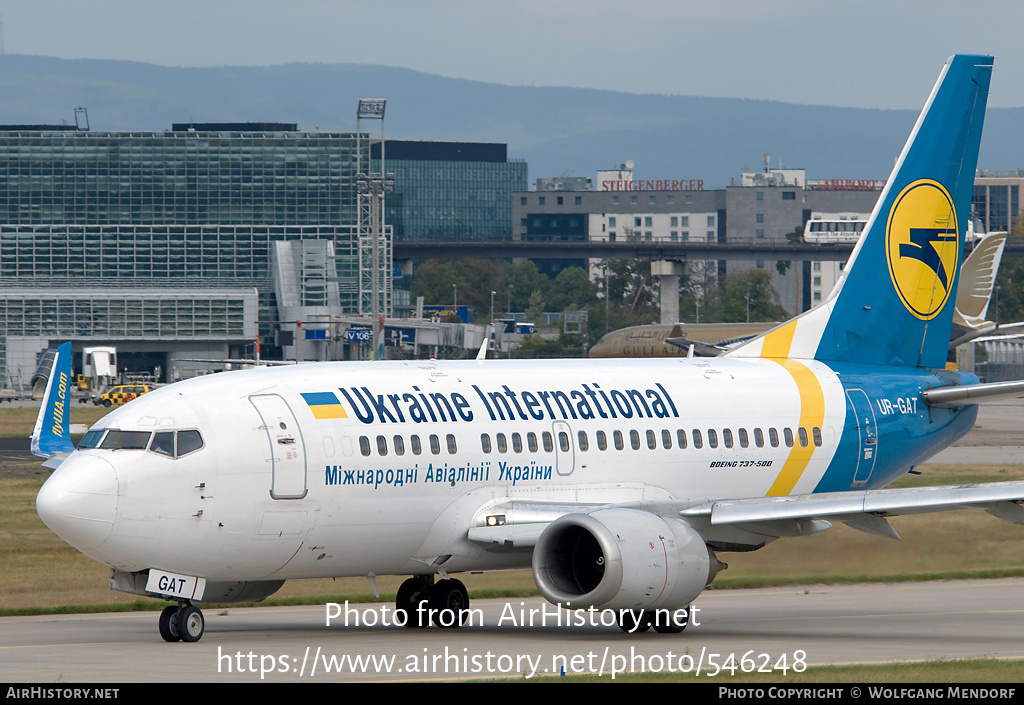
column 961, row 395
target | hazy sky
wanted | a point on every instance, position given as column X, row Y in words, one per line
column 871, row 53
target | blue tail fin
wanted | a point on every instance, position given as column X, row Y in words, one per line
column 893, row 304
column 52, row 433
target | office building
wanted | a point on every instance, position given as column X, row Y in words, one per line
column 172, row 244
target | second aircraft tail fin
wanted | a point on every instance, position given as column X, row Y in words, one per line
column 51, row 434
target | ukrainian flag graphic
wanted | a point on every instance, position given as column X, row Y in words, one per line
column 325, row 405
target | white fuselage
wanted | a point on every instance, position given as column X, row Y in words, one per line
column 392, row 482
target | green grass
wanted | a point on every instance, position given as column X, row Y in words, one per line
column 987, row 671
column 18, row 421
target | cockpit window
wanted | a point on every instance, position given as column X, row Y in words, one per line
column 188, row 441
column 92, row 439
column 126, row 440
column 163, row 443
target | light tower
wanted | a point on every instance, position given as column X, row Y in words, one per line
column 374, row 243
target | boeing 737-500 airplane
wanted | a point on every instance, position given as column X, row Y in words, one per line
column 620, row 482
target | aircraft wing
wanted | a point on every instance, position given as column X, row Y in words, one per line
column 701, row 349
column 238, row 361
column 863, row 510
column 518, row 525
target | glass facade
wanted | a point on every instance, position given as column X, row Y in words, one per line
column 185, row 178
column 450, row 190
column 153, row 255
column 111, row 235
column 212, row 314
column 996, row 202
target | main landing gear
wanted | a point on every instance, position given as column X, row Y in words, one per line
column 182, row 622
column 422, row 602
column 663, row 621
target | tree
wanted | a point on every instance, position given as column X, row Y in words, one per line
column 746, row 291
column 628, row 283
column 473, row 280
column 1007, row 302
column 519, row 281
column 572, row 290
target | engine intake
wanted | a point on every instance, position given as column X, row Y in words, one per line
column 622, row 559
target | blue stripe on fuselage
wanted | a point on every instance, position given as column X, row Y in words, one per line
column 906, row 430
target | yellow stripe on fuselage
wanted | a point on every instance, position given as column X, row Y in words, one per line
column 812, row 415
column 776, row 347
column 777, row 343
column 328, row 411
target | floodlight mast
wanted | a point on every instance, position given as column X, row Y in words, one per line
column 371, row 189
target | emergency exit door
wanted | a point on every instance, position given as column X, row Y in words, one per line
column 864, row 414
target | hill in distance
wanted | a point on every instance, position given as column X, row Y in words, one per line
column 557, row 131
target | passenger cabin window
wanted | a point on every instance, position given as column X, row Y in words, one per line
column 617, row 437
column 452, row 448
column 517, row 443
column 788, row 433
column 549, row 442
column 802, row 434
column 417, row 448
column 634, row 440
column 485, row 443
column 531, row 441
column 502, row 443
column 602, row 441
column 435, row 444
column 364, row 445
column 382, row 445
column 744, row 441
column 563, row 441
column 698, row 442
column 712, row 438
column 681, row 438
column 583, row 443
column 399, row 445
column 652, row 440
column 758, row 438
column 773, row 436
column 817, row 436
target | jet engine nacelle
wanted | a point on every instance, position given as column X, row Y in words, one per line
column 622, row 559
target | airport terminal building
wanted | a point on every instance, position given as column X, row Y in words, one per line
column 173, row 244
column 187, row 243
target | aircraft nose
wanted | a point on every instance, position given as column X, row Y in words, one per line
column 79, row 501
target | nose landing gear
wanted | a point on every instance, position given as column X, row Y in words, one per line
column 182, row 622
